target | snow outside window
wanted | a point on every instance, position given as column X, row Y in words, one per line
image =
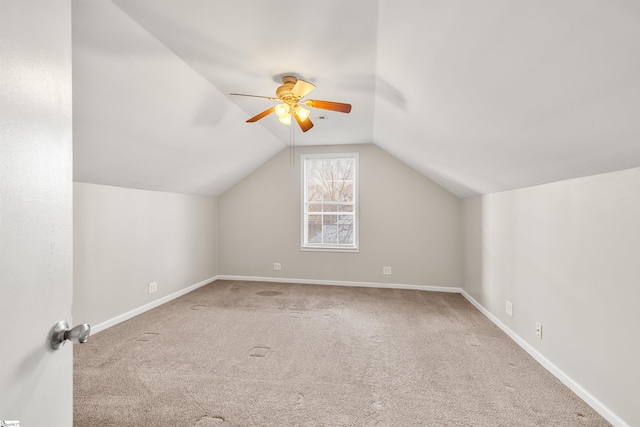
column 330, row 202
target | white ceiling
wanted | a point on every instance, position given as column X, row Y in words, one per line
column 480, row 96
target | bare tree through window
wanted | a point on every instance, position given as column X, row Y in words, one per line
column 329, row 205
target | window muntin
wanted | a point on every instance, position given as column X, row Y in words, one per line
column 329, row 202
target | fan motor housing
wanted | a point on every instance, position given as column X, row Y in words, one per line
column 283, row 92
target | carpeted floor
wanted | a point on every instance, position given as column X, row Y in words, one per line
column 273, row 354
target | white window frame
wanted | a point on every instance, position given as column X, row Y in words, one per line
column 329, row 247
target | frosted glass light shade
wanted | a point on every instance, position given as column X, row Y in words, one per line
column 303, row 113
column 285, row 120
column 282, row 110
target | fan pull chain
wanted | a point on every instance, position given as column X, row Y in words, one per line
column 292, row 146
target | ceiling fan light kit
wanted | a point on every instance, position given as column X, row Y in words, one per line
column 290, row 93
column 286, row 119
column 282, row 110
column 303, row 113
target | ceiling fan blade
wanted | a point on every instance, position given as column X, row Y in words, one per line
column 261, row 115
column 254, row 96
column 302, row 88
column 329, row 105
column 305, row 125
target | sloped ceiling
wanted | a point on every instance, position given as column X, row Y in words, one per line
column 481, row 96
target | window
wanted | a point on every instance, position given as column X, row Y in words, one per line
column 330, row 202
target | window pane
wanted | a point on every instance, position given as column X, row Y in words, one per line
column 329, row 219
column 330, row 208
column 314, row 207
column 314, row 168
column 345, row 208
column 344, row 168
column 315, row 192
column 345, row 191
column 345, row 229
column 329, row 229
column 314, row 228
column 345, row 235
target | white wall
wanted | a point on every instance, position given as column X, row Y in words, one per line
column 35, row 210
column 406, row 221
column 125, row 238
column 566, row 255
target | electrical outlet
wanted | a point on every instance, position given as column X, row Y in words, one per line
column 509, row 308
column 277, row 266
column 539, row 330
column 386, row 270
column 153, row 286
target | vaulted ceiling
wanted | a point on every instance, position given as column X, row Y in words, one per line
column 479, row 95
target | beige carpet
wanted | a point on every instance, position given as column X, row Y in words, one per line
column 272, row 354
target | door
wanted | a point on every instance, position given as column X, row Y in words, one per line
column 35, row 210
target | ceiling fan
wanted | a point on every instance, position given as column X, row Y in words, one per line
column 290, row 93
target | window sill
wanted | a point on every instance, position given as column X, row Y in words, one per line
column 321, row 249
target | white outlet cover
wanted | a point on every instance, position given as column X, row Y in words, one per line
column 509, row 308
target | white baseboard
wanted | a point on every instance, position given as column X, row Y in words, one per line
column 341, row 283
column 129, row 314
column 549, row 366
